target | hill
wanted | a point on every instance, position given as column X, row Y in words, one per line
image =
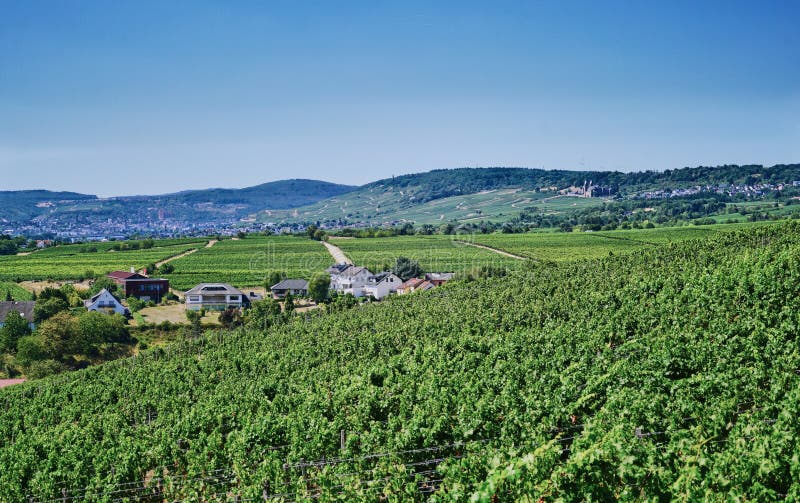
column 19, row 205
column 469, row 194
column 183, row 209
column 667, row 373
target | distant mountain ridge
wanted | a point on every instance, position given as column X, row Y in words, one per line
column 465, row 194
column 45, row 209
column 444, row 195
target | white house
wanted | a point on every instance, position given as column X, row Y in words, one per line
column 105, row 302
column 350, row 279
column 215, row 296
column 381, row 285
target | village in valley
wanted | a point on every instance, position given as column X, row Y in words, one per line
column 149, row 303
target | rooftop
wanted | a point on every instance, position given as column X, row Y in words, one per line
column 209, row 288
column 24, row 307
column 291, row 284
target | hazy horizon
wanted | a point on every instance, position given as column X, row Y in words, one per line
column 152, row 98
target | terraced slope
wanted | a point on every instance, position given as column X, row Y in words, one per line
column 666, row 373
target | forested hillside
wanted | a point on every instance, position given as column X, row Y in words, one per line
column 667, row 373
column 472, row 194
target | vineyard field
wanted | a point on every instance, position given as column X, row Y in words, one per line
column 566, row 246
column 74, row 261
column 666, row 373
column 434, row 253
column 16, row 291
column 247, row 262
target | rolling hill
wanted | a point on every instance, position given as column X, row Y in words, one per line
column 469, row 194
column 207, row 206
column 670, row 373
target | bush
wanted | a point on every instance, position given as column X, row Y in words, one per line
column 44, row 368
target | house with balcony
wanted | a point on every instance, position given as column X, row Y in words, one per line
column 105, row 302
column 215, row 297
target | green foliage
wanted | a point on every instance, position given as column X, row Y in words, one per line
column 14, row 328
column 102, row 282
column 319, row 287
column 70, row 262
column 30, row 349
column 263, row 314
column 46, row 309
column 288, row 303
column 231, row 318
column 135, row 304
column 16, row 292
column 667, row 373
column 406, row 268
column 273, row 278
column 250, row 262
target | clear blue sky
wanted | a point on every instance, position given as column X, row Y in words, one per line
column 127, row 97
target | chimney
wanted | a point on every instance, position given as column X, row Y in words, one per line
column 133, row 270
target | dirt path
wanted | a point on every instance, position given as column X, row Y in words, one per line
column 188, row 252
column 176, row 257
column 496, row 250
column 337, row 254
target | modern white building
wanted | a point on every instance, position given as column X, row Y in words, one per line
column 215, row 297
column 381, row 285
column 346, row 278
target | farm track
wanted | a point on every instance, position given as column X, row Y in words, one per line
column 184, row 254
column 337, row 254
column 495, row 250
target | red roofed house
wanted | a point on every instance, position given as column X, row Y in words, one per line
column 409, row 286
column 133, row 284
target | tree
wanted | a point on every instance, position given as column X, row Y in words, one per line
column 45, row 310
column 241, row 234
column 288, row 303
column 263, row 314
column 30, row 349
column 60, row 336
column 405, row 268
column 8, row 247
column 274, row 278
column 98, row 328
column 319, row 287
column 230, row 318
column 53, row 293
column 103, row 282
column 15, row 327
column 9, row 297
column 195, row 318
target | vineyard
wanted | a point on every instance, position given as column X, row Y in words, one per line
column 75, row 261
column 434, row 253
column 16, row 291
column 560, row 246
column 247, row 262
column 665, row 373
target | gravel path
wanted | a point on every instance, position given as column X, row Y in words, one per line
column 337, row 254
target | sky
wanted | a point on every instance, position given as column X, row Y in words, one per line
column 148, row 97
